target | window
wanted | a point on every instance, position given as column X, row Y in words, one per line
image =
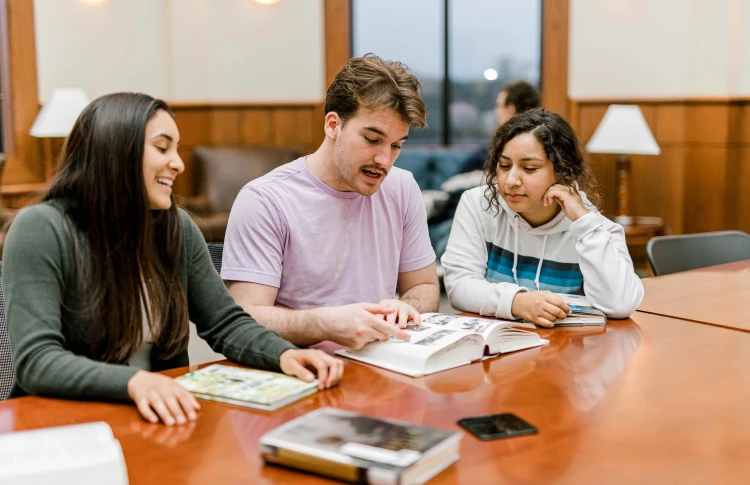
column 465, row 58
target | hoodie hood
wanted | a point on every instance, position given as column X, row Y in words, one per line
column 560, row 223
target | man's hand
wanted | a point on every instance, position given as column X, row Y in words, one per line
column 403, row 312
column 296, row 362
column 568, row 199
column 539, row 307
column 358, row 324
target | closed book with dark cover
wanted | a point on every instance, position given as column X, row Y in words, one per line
column 361, row 449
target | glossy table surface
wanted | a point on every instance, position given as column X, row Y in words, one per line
column 717, row 295
column 645, row 400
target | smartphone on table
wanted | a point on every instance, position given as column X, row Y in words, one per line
column 494, row 426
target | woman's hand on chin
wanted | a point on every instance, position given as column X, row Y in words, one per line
column 568, row 199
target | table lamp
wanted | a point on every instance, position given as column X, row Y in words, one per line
column 56, row 119
column 623, row 131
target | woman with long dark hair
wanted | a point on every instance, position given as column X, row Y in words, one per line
column 535, row 226
column 102, row 277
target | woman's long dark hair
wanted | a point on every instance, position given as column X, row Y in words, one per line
column 128, row 256
column 560, row 144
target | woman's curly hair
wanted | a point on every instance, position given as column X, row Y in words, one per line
column 560, row 144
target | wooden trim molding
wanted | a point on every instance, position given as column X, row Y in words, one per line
column 555, row 19
column 337, row 15
column 7, row 109
column 185, row 105
column 24, row 164
column 680, row 100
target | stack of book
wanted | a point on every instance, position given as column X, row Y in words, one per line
column 83, row 454
column 582, row 312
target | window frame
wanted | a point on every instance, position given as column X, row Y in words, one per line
column 445, row 135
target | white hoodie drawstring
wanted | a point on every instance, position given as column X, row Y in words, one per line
column 541, row 260
column 515, row 255
column 515, row 250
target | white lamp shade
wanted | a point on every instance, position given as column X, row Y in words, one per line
column 59, row 113
column 623, row 130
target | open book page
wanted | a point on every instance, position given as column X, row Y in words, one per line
column 425, row 341
column 430, row 349
column 483, row 326
column 499, row 335
column 51, row 438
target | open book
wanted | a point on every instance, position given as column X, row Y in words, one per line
column 246, row 387
column 79, row 454
column 445, row 341
column 583, row 312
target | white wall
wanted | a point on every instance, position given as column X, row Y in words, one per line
column 183, row 50
column 103, row 48
column 659, row 48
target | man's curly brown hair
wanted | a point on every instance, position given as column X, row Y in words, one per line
column 560, row 144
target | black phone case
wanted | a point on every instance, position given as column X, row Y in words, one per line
column 511, row 424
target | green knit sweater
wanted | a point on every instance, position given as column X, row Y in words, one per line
column 50, row 344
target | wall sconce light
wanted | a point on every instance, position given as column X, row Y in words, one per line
column 266, row 2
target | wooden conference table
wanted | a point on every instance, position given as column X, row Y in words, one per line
column 650, row 399
column 717, row 295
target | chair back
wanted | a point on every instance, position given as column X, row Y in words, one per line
column 672, row 254
column 223, row 171
column 6, row 362
column 216, row 251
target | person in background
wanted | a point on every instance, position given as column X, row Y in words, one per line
column 514, row 98
column 102, row 277
column 533, row 231
column 318, row 248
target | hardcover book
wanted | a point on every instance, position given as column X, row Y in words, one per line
column 361, row 449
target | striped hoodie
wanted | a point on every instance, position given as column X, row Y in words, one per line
column 491, row 257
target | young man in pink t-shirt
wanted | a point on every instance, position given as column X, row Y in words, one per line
column 318, row 248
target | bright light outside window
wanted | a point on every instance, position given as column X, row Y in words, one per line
column 490, row 43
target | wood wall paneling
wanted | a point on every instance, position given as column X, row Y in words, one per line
column 671, row 123
column 707, row 123
column 705, row 189
column 743, row 189
column 336, row 16
column 240, row 124
column 225, row 126
column 25, row 164
column 193, row 125
column 256, row 127
column 555, row 56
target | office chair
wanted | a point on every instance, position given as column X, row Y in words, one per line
column 672, row 254
column 216, row 251
column 6, row 362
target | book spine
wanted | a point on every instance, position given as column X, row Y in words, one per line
column 352, row 473
column 236, row 402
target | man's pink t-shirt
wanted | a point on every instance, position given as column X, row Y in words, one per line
column 321, row 247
